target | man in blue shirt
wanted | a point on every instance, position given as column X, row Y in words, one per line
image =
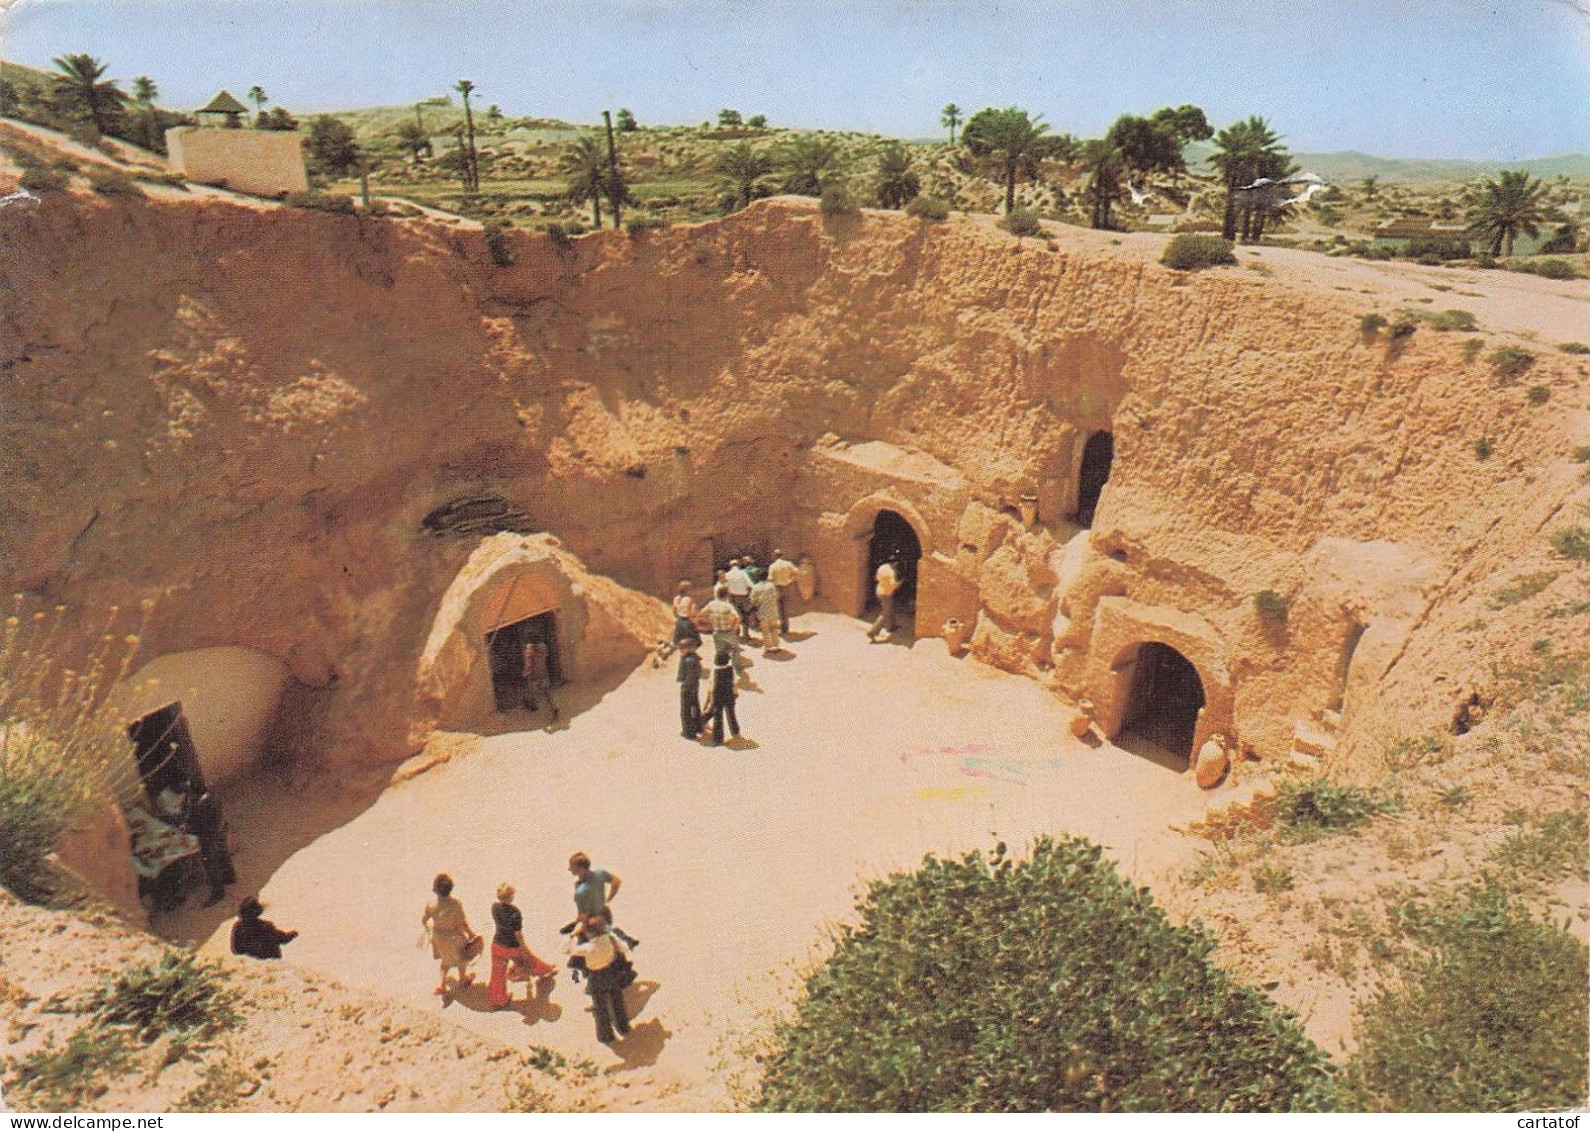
column 594, row 889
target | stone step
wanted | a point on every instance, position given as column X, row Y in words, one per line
column 1310, row 742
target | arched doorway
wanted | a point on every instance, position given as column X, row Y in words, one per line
column 505, row 647
column 1165, row 698
column 893, row 539
column 1097, row 455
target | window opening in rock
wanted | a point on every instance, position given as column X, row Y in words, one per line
column 506, row 647
column 893, row 539
column 1166, row 696
column 1097, row 455
column 1344, row 664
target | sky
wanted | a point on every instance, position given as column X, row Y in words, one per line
column 1493, row 79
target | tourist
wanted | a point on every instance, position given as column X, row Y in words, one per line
column 594, row 889
column 257, row 937
column 607, row 972
column 782, row 572
column 510, row 955
column 725, row 624
column 764, row 599
column 685, row 615
column 538, row 675
column 888, row 580
column 450, row 931
column 690, row 688
column 721, row 703
column 738, row 582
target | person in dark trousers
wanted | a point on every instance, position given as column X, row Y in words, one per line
column 607, row 972
column 538, row 676
column 206, row 823
column 689, row 688
column 257, row 937
column 722, row 702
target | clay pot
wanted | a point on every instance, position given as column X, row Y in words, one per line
column 1211, row 765
column 956, row 632
column 1029, row 511
column 1083, row 721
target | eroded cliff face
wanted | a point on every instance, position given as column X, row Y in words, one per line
column 246, row 414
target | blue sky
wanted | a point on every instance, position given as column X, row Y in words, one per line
column 1496, row 79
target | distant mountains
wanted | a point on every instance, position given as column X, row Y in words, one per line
column 1350, row 165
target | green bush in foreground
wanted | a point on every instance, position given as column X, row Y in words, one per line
column 1491, row 1019
column 1189, row 252
column 1022, row 222
column 928, row 208
column 177, row 996
column 1044, row 984
column 1308, row 809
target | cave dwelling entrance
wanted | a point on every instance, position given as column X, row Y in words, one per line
column 1164, row 701
column 505, row 647
column 1097, row 456
column 892, row 538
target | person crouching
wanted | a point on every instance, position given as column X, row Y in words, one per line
column 607, row 971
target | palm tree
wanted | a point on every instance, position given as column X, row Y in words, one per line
column 144, row 93
column 471, row 165
column 897, row 184
column 810, row 164
column 1244, row 152
column 80, row 87
column 1504, row 208
column 414, row 139
column 256, row 95
column 1009, row 138
column 615, row 186
column 950, row 116
column 1105, row 164
column 586, row 164
column 742, row 167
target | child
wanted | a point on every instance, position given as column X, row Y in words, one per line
column 689, row 689
column 723, row 697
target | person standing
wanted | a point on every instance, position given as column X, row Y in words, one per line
column 685, row 614
column 607, row 972
column 764, row 598
column 782, row 572
column 689, row 679
column 594, row 889
column 887, row 581
column 725, row 623
column 738, row 583
column 450, row 931
column 257, row 937
column 508, row 946
column 538, row 675
column 722, row 701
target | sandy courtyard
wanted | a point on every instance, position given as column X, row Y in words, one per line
column 865, row 757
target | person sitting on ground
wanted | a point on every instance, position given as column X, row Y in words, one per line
column 721, row 703
column 764, row 597
column 888, row 580
column 538, row 675
column 725, row 623
column 594, row 889
column 782, row 572
column 508, row 949
column 450, row 932
column 607, row 972
column 257, row 937
column 689, row 680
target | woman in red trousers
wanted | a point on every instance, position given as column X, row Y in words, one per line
column 508, row 947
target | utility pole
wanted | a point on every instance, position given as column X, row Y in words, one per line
column 612, row 170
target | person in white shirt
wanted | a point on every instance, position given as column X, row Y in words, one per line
column 738, row 581
column 724, row 620
column 783, row 573
column 888, row 580
column 607, row 972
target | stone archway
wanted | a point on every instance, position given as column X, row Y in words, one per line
column 871, row 533
column 1164, row 700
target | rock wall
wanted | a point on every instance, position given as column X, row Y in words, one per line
column 246, row 414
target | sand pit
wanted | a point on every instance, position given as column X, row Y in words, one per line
column 865, row 757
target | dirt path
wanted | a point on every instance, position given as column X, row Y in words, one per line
column 865, row 757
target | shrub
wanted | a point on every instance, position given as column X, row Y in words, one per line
column 36, row 178
column 321, row 202
column 1191, row 252
column 1485, row 261
column 1545, row 268
column 1307, row 810
column 1538, row 394
column 1490, row 1018
column 178, row 996
column 640, row 225
column 85, row 133
column 1403, row 328
column 1483, row 448
column 1581, row 454
column 1271, row 606
column 1472, row 348
column 498, row 247
column 1574, row 347
column 1573, row 542
column 71, row 1075
column 1022, row 222
column 1371, row 324
column 835, row 201
column 928, row 208
column 1040, row 985
column 1451, row 320
column 1510, row 361
column 1436, row 250
column 113, row 182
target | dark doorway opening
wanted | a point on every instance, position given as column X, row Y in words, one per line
column 1344, row 664
column 1097, row 455
column 893, row 539
column 506, row 647
column 1165, row 699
